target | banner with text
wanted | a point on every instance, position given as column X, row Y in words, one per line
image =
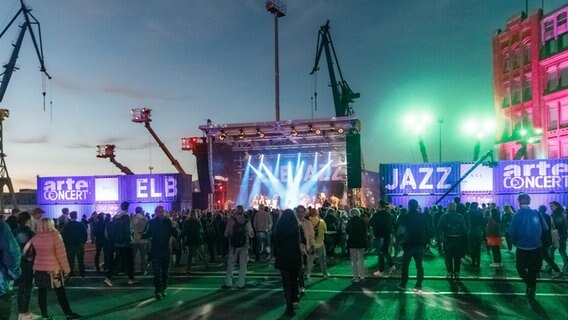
column 531, row 176
column 419, row 178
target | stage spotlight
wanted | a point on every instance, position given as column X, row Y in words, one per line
column 223, row 135
column 318, row 131
column 310, row 128
column 293, row 131
column 332, row 127
column 241, row 134
column 259, row 133
column 340, row 130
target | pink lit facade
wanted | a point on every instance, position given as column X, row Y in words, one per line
column 530, row 81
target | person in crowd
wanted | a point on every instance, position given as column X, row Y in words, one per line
column 99, row 238
column 10, row 270
column 140, row 246
column 382, row 225
column 50, row 267
column 493, row 235
column 12, row 220
column 415, row 237
column 331, row 234
column 342, row 230
column 506, row 223
column 475, row 233
column 23, row 234
column 37, row 214
column 192, row 235
column 210, row 235
column 453, row 231
column 262, row 225
column 74, row 235
column 526, row 230
column 63, row 218
column 319, row 227
column 308, row 230
column 120, row 235
column 547, row 244
column 91, row 226
column 239, row 231
column 290, row 246
column 357, row 242
column 559, row 222
column 221, row 242
column 160, row 231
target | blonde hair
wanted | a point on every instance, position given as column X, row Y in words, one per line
column 46, row 225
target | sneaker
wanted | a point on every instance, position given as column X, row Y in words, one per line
column 356, row 280
column 108, row 282
column 417, row 289
column 158, row 296
column 302, row 291
column 73, row 315
column 28, row 316
column 392, row 269
column 225, row 287
column 133, row 281
column 48, row 317
column 378, row 274
column 326, row 275
column 163, row 294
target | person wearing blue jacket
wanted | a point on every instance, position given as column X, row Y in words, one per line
column 9, row 268
column 526, row 230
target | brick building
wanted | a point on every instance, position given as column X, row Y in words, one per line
column 530, row 81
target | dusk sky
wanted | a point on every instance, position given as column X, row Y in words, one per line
column 192, row 60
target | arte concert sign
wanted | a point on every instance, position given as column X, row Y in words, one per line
column 65, row 190
column 531, row 176
column 423, row 178
column 102, row 189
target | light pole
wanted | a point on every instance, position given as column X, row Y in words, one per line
column 278, row 9
column 440, row 122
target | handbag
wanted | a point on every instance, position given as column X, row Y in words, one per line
column 554, row 234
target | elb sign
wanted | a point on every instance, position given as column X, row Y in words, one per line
column 102, row 189
column 421, row 178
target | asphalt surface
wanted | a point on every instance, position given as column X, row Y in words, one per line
column 487, row 293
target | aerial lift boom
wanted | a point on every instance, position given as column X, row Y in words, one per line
column 343, row 96
column 107, row 151
column 143, row 115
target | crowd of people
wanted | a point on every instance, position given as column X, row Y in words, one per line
column 295, row 240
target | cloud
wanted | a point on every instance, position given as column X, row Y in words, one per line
column 141, row 93
column 31, row 140
column 66, row 85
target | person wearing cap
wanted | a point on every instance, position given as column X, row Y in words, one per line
column 415, row 237
column 526, row 230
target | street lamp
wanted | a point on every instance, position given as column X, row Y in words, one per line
column 440, row 122
column 478, row 129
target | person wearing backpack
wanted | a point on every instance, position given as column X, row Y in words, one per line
column 239, row 231
column 452, row 231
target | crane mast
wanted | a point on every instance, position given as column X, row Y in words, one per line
column 343, row 96
column 143, row 115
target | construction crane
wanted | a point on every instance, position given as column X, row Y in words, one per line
column 343, row 96
column 142, row 115
column 9, row 68
column 107, row 151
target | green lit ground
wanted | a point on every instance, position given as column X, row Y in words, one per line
column 487, row 294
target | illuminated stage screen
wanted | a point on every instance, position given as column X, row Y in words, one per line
column 284, row 179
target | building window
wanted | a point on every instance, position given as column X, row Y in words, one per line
column 561, row 21
column 553, row 149
column 516, row 58
column 506, row 62
column 552, row 117
column 551, row 79
column 548, row 30
column 527, row 53
column 516, row 93
column 564, row 76
column 527, row 88
column 563, row 123
column 564, row 148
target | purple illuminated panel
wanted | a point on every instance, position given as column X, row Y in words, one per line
column 149, row 188
column 531, row 176
column 422, row 178
column 65, row 190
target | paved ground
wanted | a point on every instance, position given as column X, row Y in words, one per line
column 487, row 294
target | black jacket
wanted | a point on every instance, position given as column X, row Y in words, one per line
column 160, row 232
column 287, row 247
column 357, row 233
column 415, row 229
column 382, row 223
column 74, row 233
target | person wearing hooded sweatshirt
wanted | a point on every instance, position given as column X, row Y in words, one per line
column 526, row 230
column 320, row 228
column 415, row 237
